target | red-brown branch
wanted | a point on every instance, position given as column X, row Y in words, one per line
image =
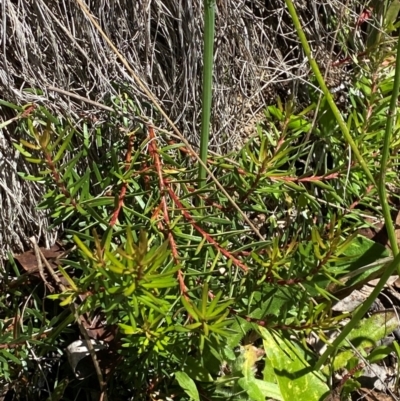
column 158, row 165
column 207, row 236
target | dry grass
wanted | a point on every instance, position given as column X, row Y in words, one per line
column 51, row 43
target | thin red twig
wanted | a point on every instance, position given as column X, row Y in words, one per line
column 158, row 165
column 207, row 236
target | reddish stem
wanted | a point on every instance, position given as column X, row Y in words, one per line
column 207, row 236
column 158, row 165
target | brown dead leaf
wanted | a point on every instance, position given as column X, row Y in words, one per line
column 28, row 260
column 378, row 233
column 371, row 395
column 375, row 233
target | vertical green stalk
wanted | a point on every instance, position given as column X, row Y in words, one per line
column 389, row 270
column 208, row 59
column 385, row 156
column 360, row 313
column 345, row 130
column 325, row 90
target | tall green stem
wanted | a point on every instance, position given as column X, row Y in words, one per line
column 325, row 90
column 360, row 313
column 208, row 59
column 385, row 156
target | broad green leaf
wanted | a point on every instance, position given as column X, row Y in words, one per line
column 294, row 375
column 275, row 300
column 339, row 361
column 275, row 112
column 366, row 335
column 364, row 251
column 353, row 254
column 259, row 390
column 188, row 385
column 373, row 329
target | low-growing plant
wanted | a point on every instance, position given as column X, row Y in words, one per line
column 190, row 292
column 180, row 284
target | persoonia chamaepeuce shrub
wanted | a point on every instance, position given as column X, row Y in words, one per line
column 178, row 274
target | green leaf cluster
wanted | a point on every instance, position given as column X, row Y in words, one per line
column 177, row 273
